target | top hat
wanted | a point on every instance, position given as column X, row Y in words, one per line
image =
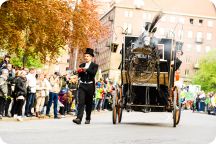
column 89, row 51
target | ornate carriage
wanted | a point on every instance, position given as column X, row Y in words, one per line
column 147, row 76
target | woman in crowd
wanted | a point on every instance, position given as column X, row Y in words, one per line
column 40, row 94
column 20, row 93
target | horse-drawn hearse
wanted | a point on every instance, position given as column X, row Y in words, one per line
column 148, row 75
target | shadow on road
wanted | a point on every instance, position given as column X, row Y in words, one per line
column 147, row 124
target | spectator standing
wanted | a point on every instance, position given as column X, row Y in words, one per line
column 20, row 92
column 31, row 92
column 48, row 88
column 98, row 97
column 53, row 95
column 4, row 63
column 40, row 94
column 3, row 90
column 11, row 76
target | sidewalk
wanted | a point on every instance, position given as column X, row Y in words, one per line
column 43, row 117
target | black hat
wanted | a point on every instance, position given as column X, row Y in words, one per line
column 89, row 51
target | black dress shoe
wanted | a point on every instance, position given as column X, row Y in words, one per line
column 77, row 121
column 28, row 115
column 87, row 122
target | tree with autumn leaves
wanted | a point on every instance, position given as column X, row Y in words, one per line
column 42, row 28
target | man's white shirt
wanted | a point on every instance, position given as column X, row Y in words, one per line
column 31, row 81
column 87, row 65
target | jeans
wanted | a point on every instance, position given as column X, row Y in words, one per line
column 29, row 103
column 53, row 97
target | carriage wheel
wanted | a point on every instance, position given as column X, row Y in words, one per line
column 114, row 115
column 120, row 109
column 117, row 109
column 176, row 108
column 114, row 112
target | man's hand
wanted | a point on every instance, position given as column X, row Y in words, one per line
column 80, row 70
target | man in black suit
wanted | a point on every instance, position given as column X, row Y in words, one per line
column 86, row 73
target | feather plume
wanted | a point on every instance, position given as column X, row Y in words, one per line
column 155, row 20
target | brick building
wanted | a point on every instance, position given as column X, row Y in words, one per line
column 181, row 21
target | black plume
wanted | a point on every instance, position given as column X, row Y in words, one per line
column 155, row 20
column 154, row 30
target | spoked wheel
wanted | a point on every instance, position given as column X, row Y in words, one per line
column 176, row 107
column 117, row 107
column 120, row 108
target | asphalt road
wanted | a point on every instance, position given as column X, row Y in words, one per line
column 136, row 128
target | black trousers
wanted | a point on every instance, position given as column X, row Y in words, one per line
column 19, row 106
column 14, row 109
column 7, row 104
column 85, row 99
column 2, row 105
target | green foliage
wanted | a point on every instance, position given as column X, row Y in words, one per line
column 20, row 60
column 206, row 75
column 36, row 26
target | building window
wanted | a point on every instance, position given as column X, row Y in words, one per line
column 207, row 49
column 191, row 21
column 130, row 14
column 127, row 28
column 209, row 36
column 199, row 37
column 210, row 23
column 187, row 59
column 180, row 34
column 187, row 72
column 200, row 21
column 198, row 48
column 147, row 16
column 190, row 34
column 189, row 47
column 138, row 3
column 181, row 20
column 163, row 18
column 161, row 31
column 126, row 13
column 172, row 19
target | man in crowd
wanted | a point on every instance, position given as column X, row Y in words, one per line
column 31, row 92
column 3, row 90
column 3, row 64
column 53, row 94
column 11, row 76
column 86, row 73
